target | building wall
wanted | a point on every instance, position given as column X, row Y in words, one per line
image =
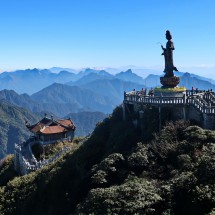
column 50, row 137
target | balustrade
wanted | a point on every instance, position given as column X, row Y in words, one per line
column 26, row 166
column 200, row 99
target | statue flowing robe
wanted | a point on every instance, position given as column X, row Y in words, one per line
column 168, row 56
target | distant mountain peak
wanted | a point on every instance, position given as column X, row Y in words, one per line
column 187, row 74
column 129, row 71
column 128, row 75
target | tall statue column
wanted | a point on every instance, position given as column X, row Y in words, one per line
column 169, row 80
column 168, row 56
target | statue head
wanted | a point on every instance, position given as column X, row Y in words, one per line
column 168, row 35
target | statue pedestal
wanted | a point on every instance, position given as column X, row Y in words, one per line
column 170, row 92
column 169, row 82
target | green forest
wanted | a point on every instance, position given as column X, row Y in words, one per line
column 121, row 169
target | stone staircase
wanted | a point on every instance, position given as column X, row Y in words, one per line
column 203, row 102
column 25, row 162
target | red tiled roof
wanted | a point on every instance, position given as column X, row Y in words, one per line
column 65, row 122
column 53, row 129
column 49, row 126
column 37, row 128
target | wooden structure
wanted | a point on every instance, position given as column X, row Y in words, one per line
column 48, row 129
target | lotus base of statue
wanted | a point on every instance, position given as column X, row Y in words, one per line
column 169, row 82
column 170, row 92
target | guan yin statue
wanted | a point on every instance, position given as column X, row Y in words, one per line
column 169, row 80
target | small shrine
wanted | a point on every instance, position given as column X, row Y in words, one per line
column 48, row 129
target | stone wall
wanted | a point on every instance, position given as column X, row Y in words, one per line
column 23, row 166
column 174, row 113
column 192, row 114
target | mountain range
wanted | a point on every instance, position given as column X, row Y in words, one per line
column 85, row 96
column 59, row 100
column 63, row 99
column 31, row 81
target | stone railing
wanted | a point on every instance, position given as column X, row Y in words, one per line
column 194, row 92
column 25, row 166
column 154, row 99
column 52, row 159
column 200, row 99
column 210, row 97
column 201, row 106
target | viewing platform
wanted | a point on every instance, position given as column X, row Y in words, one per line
column 203, row 101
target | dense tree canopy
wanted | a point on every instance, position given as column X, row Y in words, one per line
column 120, row 171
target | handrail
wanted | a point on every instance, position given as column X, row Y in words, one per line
column 154, row 99
column 210, row 97
column 198, row 100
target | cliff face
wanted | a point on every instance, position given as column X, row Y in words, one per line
column 117, row 171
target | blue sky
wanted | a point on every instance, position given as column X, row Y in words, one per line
column 105, row 33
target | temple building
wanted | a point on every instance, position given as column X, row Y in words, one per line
column 48, row 129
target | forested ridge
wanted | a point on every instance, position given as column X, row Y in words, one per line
column 121, row 169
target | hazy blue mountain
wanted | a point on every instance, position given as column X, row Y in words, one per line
column 23, row 100
column 64, row 76
column 59, row 100
column 31, row 80
column 88, row 71
column 94, row 92
column 210, row 80
column 112, row 88
column 64, row 99
column 86, row 121
column 89, row 78
column 152, row 81
column 23, row 81
column 129, row 76
column 195, row 76
column 100, row 72
column 12, row 126
column 188, row 81
column 59, row 69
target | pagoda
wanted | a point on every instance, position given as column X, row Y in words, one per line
column 48, row 129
